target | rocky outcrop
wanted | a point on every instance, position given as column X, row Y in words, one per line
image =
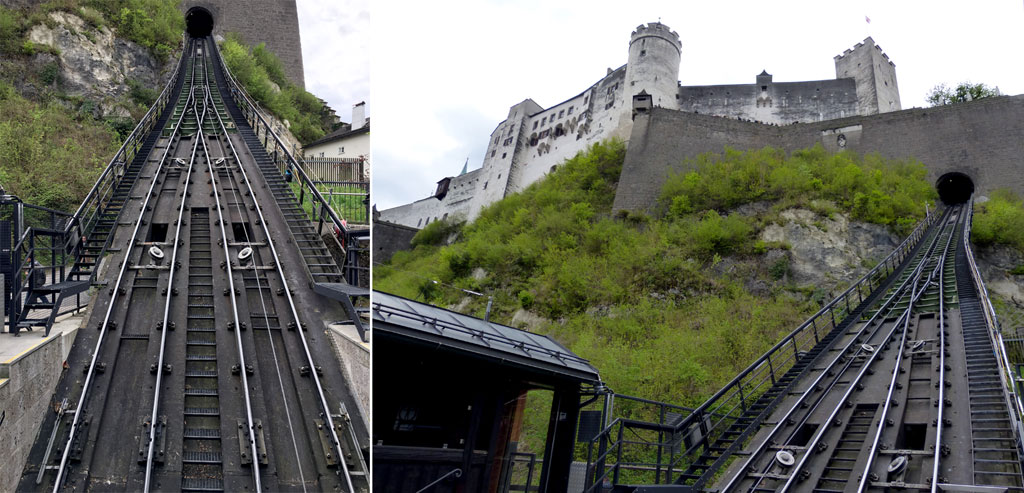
column 95, row 64
column 829, row 252
column 994, row 264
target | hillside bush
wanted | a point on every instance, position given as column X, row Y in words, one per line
column 50, row 156
column 870, row 188
column 1000, row 220
column 262, row 75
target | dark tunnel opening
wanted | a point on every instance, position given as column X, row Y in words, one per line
column 954, row 188
column 199, row 22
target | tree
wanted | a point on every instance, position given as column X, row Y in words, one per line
column 965, row 91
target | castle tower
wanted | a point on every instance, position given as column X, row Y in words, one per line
column 653, row 65
column 875, row 76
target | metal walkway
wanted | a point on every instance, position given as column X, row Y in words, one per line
column 205, row 365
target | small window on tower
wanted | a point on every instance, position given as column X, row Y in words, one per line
column 643, row 52
column 764, row 88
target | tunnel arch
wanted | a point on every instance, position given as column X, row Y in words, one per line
column 198, row 22
column 954, row 187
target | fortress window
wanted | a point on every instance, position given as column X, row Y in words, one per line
column 543, row 121
column 503, row 155
column 499, row 176
column 420, row 221
column 570, row 110
column 492, row 153
column 643, row 52
column 561, row 114
column 585, row 99
column 485, row 185
column 763, row 88
column 535, row 125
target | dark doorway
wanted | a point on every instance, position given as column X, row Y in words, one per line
column 199, row 22
column 954, row 188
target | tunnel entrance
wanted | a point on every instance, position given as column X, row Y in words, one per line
column 198, row 22
column 954, row 188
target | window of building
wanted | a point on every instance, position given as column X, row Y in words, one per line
column 570, row 110
column 445, row 216
column 507, row 141
column 643, row 52
column 492, row 152
column 485, row 185
column 503, row 155
column 499, row 176
column 543, row 121
column 341, row 150
column 585, row 99
column 545, row 133
column 535, row 125
column 321, row 154
column 561, row 114
column 420, row 221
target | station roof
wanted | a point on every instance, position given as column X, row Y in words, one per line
column 463, row 333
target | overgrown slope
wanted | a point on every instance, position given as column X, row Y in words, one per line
column 667, row 306
column 56, row 137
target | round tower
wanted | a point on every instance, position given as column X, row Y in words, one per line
column 653, row 65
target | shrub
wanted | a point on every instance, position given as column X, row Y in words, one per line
column 1000, row 220
column 258, row 70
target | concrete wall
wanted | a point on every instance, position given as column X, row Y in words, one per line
column 354, row 356
column 27, row 382
column 390, row 238
column 980, row 139
column 275, row 22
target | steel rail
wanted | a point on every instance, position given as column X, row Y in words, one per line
column 263, row 304
column 170, row 280
column 871, row 359
column 110, row 307
column 942, row 374
column 336, row 442
column 865, row 476
column 897, row 294
column 234, row 302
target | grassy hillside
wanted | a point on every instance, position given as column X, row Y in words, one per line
column 262, row 74
column 668, row 306
column 52, row 145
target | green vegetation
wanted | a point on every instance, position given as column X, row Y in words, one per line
column 644, row 296
column 1000, row 220
column 872, row 189
column 50, row 156
column 964, row 91
column 262, row 75
column 154, row 24
column 348, row 207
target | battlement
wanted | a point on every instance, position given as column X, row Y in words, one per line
column 858, row 46
column 656, row 29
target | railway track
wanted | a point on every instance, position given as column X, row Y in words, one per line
column 897, row 400
column 248, row 396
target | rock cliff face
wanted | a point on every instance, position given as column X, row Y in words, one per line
column 829, row 252
column 95, row 64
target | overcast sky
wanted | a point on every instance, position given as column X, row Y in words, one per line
column 335, row 52
column 445, row 72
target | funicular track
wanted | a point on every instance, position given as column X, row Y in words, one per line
column 246, row 394
column 908, row 392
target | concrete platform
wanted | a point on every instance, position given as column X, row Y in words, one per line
column 30, row 366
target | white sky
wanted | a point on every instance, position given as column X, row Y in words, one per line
column 335, row 52
column 445, row 72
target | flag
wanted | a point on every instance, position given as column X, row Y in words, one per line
column 867, row 19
